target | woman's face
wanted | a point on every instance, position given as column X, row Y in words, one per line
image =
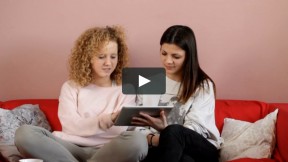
column 172, row 57
column 105, row 62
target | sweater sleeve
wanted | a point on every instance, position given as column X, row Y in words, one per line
column 200, row 115
column 75, row 124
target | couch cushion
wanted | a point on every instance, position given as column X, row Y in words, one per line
column 10, row 120
column 253, row 160
column 250, row 111
column 245, row 139
column 48, row 106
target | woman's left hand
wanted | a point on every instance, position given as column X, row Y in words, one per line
column 146, row 120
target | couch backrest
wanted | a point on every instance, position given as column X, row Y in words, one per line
column 237, row 109
column 48, row 106
column 252, row 111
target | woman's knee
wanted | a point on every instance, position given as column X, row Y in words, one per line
column 138, row 140
column 171, row 133
column 172, row 129
column 137, row 143
column 22, row 134
column 25, row 135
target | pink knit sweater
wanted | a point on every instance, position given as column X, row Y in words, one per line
column 85, row 113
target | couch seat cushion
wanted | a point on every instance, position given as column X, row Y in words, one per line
column 253, row 160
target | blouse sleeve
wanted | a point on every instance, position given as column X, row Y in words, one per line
column 200, row 115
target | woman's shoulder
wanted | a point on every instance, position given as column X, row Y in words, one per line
column 207, row 83
column 70, row 84
column 206, row 87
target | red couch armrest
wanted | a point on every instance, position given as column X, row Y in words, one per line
column 282, row 129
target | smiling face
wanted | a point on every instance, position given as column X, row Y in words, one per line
column 105, row 62
column 172, row 57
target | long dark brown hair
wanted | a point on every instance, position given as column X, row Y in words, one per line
column 193, row 76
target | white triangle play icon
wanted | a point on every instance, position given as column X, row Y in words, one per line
column 142, row 81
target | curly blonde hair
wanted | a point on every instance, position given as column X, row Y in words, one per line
column 88, row 45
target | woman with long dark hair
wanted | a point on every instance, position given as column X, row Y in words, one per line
column 189, row 132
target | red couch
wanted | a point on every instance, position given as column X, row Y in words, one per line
column 238, row 109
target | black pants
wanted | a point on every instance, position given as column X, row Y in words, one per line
column 180, row 144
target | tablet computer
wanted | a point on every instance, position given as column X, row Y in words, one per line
column 128, row 112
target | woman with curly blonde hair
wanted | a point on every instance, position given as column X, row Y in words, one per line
column 88, row 45
column 89, row 103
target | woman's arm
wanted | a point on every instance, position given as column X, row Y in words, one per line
column 75, row 124
column 153, row 140
column 200, row 116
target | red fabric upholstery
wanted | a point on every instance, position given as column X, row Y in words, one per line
column 48, row 106
column 250, row 111
column 282, row 131
column 238, row 109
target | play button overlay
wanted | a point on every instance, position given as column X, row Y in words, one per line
column 143, row 81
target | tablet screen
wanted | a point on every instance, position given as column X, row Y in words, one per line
column 128, row 112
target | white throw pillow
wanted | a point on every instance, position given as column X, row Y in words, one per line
column 252, row 140
column 10, row 120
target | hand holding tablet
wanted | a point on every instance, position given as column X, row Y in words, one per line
column 127, row 113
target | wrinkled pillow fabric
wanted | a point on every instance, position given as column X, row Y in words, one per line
column 10, row 153
column 10, row 120
column 252, row 140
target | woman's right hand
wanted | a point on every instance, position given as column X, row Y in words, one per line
column 114, row 116
column 146, row 120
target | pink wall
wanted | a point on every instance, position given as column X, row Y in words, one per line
column 243, row 45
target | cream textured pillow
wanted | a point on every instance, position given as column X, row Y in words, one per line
column 10, row 120
column 245, row 139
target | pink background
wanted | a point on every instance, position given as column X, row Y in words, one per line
column 242, row 44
